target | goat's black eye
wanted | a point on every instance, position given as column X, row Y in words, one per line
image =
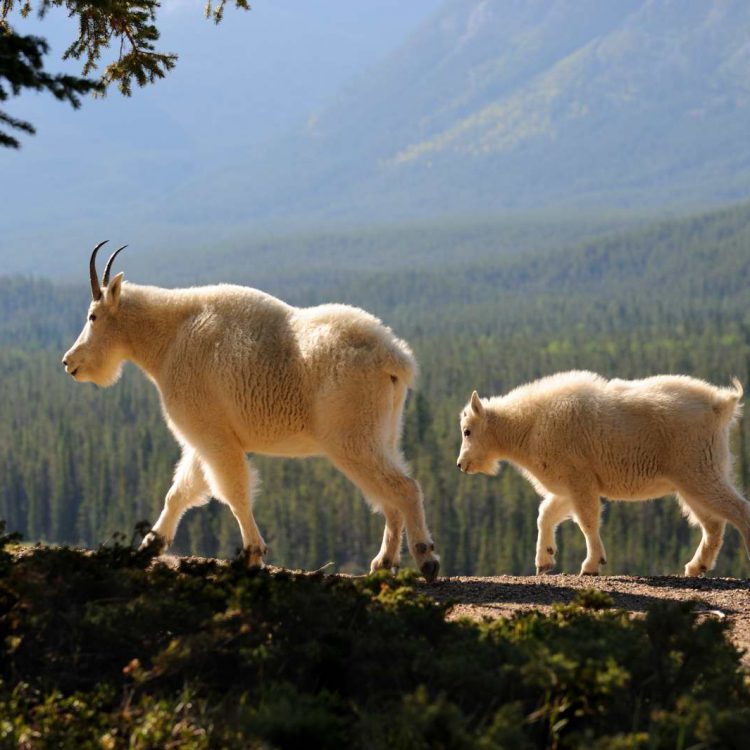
column 467, row 433
column 92, row 317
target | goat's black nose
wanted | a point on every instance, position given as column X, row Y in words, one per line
column 65, row 363
column 458, row 464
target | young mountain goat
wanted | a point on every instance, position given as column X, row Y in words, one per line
column 577, row 437
column 239, row 371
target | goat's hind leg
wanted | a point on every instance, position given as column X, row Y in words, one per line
column 712, row 539
column 189, row 488
column 736, row 510
column 231, row 479
column 383, row 479
column 715, row 501
column 389, row 557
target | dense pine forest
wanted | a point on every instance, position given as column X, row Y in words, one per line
column 78, row 464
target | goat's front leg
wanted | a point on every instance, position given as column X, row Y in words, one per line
column 189, row 488
column 587, row 513
column 552, row 510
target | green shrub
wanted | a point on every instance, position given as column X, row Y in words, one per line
column 111, row 650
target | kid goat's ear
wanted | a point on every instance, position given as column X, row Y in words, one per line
column 476, row 404
column 112, row 291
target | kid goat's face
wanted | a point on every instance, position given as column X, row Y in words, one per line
column 476, row 456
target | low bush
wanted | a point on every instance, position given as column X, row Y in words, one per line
column 111, row 649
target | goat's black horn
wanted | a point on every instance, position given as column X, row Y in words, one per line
column 108, row 267
column 96, row 290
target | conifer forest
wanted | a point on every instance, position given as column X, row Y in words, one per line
column 515, row 189
column 483, row 306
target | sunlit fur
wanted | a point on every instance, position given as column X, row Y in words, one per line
column 578, row 437
column 239, row 371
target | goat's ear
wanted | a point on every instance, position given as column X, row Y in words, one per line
column 112, row 291
column 476, row 404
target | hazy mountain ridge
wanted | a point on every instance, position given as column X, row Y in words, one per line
column 495, row 104
column 440, row 275
column 490, row 106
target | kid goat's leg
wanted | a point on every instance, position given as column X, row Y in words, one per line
column 189, row 488
column 552, row 510
column 713, row 535
column 587, row 513
column 715, row 498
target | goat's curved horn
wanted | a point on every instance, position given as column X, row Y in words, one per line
column 96, row 290
column 108, row 267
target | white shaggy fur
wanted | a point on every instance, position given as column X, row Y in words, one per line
column 240, row 371
column 578, row 437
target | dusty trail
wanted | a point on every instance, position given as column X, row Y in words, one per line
column 727, row 599
column 499, row 596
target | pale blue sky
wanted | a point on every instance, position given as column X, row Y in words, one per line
column 235, row 86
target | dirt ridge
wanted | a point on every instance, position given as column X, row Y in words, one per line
column 502, row 596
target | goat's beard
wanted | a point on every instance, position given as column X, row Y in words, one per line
column 490, row 466
column 104, row 376
column 494, row 468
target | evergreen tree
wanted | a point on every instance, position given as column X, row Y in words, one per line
column 78, row 464
column 125, row 25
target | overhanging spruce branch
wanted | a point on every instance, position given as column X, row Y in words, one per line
column 127, row 26
column 22, row 67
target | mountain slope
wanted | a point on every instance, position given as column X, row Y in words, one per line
column 491, row 106
column 495, row 104
column 103, row 170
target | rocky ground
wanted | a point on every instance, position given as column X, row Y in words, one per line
column 724, row 598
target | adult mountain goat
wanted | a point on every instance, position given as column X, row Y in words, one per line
column 240, row 371
column 577, row 437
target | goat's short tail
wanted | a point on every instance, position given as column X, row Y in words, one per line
column 737, row 386
column 401, row 364
column 729, row 400
column 737, row 394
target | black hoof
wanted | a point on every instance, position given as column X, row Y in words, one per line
column 430, row 570
column 254, row 556
column 385, row 564
column 154, row 543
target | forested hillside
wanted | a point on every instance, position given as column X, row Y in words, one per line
column 78, row 464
